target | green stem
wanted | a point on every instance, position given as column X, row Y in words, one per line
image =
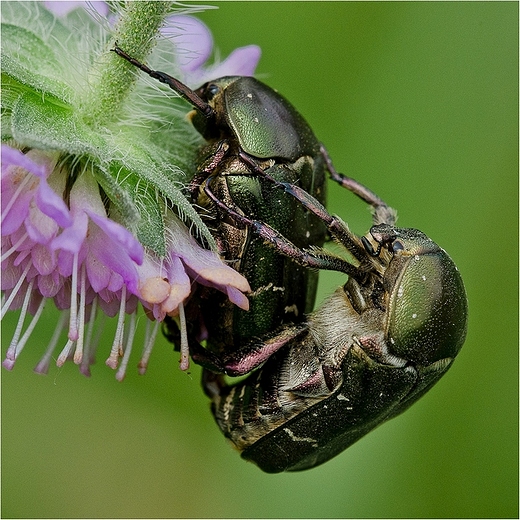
column 111, row 78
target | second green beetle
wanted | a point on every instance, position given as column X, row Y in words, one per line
column 373, row 348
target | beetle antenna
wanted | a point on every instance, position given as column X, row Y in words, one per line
column 183, row 90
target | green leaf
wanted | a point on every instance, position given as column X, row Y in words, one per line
column 145, row 160
column 131, row 170
column 45, row 122
column 149, row 224
column 37, row 19
column 120, row 195
column 26, row 58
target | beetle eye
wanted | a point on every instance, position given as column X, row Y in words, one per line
column 397, row 245
column 211, row 91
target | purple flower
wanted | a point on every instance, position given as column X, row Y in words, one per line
column 194, row 44
column 166, row 283
column 88, row 263
column 63, row 7
column 64, row 239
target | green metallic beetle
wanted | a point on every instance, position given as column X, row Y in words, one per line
column 370, row 351
column 251, row 129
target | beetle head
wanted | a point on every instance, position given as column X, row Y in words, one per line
column 263, row 122
column 426, row 313
column 212, row 94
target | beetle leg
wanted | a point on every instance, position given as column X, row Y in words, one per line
column 335, row 225
column 383, row 214
column 248, row 357
column 318, row 259
column 217, row 154
column 206, row 359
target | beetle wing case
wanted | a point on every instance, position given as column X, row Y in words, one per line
column 266, row 124
column 329, row 427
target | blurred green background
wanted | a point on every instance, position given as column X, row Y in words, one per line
column 420, row 102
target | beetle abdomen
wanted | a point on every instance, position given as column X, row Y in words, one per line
column 255, row 407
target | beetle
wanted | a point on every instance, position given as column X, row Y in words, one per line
column 250, row 128
column 374, row 347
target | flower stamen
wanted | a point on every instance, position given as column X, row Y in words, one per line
column 73, row 323
column 78, row 354
column 149, row 342
column 185, row 351
column 120, row 375
column 12, row 353
column 65, row 353
column 14, row 248
column 43, row 365
column 30, row 328
column 15, row 195
column 117, row 345
column 91, row 345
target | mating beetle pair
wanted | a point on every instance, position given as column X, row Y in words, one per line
column 371, row 350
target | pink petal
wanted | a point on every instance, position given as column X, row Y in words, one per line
column 241, row 62
column 43, row 259
column 11, row 156
column 119, row 234
column 49, row 286
column 98, row 274
column 238, row 298
column 192, row 39
column 63, row 8
column 52, row 205
column 74, row 236
column 40, row 228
